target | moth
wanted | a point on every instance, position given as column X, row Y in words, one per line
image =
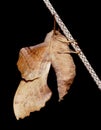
column 34, row 64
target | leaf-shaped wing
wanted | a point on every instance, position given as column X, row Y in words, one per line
column 63, row 64
column 32, row 60
column 30, row 96
column 33, row 92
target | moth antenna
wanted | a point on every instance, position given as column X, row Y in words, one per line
column 54, row 27
column 58, row 29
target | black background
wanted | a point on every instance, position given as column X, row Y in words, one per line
column 26, row 24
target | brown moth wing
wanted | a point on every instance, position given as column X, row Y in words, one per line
column 31, row 61
column 63, row 64
column 30, row 96
column 32, row 93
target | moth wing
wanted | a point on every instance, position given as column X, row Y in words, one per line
column 32, row 60
column 30, row 96
column 63, row 65
column 33, row 92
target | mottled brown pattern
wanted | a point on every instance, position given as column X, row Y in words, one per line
column 34, row 63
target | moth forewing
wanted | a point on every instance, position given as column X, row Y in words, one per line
column 32, row 92
column 63, row 65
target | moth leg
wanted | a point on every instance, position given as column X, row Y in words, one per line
column 68, row 52
column 71, row 51
column 66, row 42
column 70, row 41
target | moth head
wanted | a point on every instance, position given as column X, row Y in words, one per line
column 49, row 36
column 57, row 36
column 60, row 37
